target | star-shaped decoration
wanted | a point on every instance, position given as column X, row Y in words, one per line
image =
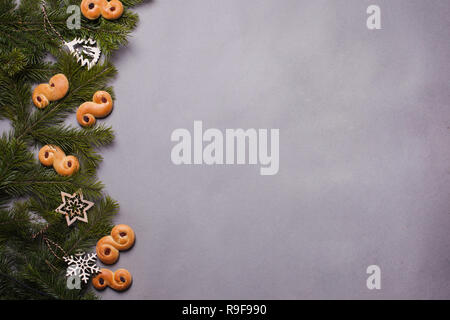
column 74, row 207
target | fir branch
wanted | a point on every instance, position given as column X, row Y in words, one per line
column 77, row 141
column 29, row 192
column 83, row 85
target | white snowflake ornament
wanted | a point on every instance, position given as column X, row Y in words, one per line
column 85, row 50
column 82, row 265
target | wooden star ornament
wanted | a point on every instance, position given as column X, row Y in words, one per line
column 74, row 207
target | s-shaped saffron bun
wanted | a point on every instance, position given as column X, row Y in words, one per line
column 54, row 90
column 119, row 280
column 100, row 106
column 93, row 9
column 122, row 238
column 51, row 155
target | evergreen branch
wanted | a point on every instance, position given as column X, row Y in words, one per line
column 29, row 192
column 99, row 224
column 38, row 292
column 84, row 86
column 77, row 141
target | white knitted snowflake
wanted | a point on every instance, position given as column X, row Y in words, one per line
column 82, row 265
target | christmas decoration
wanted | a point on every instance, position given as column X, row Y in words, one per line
column 85, row 51
column 74, row 207
column 82, row 265
column 31, row 267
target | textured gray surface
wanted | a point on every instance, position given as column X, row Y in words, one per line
column 364, row 150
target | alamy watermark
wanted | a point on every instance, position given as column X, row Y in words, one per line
column 208, row 147
column 74, row 281
column 374, row 19
column 374, row 280
column 74, row 20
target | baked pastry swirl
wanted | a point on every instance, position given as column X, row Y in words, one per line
column 54, row 90
column 100, row 106
column 119, row 280
column 122, row 238
column 51, row 155
column 93, row 9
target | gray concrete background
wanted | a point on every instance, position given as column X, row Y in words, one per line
column 364, row 150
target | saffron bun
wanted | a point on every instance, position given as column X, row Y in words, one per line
column 119, row 280
column 50, row 155
column 93, row 9
column 55, row 89
column 122, row 237
column 100, row 106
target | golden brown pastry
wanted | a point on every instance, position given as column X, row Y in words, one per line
column 119, row 280
column 55, row 89
column 121, row 238
column 100, row 106
column 112, row 10
column 63, row 165
column 92, row 9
